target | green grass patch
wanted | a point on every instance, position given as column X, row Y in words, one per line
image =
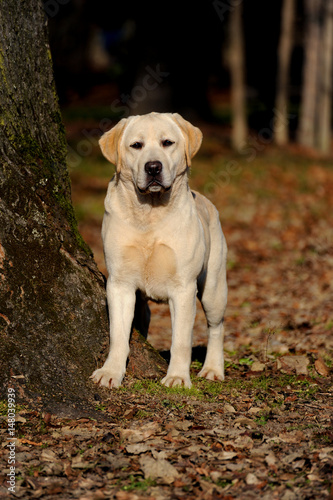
column 264, row 387
column 136, row 483
column 4, row 408
column 246, row 361
column 262, row 420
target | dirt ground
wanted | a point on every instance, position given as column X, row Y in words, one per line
column 267, row 430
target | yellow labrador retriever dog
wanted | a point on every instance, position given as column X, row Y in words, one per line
column 162, row 242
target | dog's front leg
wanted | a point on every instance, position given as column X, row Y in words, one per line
column 182, row 309
column 121, row 302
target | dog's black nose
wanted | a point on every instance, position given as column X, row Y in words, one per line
column 153, row 168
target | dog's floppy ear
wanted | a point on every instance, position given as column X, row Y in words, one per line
column 110, row 143
column 192, row 135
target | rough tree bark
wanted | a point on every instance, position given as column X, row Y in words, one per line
column 281, row 132
column 239, row 131
column 52, row 301
column 53, row 318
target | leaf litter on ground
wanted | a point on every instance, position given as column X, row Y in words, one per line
column 268, row 428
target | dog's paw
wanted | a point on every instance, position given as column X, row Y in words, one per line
column 209, row 373
column 177, row 381
column 106, row 378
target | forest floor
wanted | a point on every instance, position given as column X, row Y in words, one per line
column 267, row 430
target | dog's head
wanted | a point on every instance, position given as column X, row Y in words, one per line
column 151, row 150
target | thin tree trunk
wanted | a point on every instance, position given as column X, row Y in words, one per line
column 307, row 125
column 281, row 132
column 239, row 131
column 324, row 129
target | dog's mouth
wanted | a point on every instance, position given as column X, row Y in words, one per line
column 154, row 186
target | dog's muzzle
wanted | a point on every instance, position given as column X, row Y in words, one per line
column 154, row 178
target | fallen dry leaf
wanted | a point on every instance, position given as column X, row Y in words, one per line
column 314, row 477
column 251, row 479
column 255, row 409
column 137, row 448
column 159, row 468
column 270, row 459
column 229, row 408
column 290, row 364
column 257, row 366
column 79, row 463
column 292, row 437
column 321, row 367
column 123, row 495
column 27, row 441
column 48, row 455
column 247, row 422
column 243, row 442
column 139, row 435
column 288, row 459
column 227, row 455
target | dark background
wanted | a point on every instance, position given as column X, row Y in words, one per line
column 187, row 40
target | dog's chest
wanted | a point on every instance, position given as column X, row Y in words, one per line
column 152, row 265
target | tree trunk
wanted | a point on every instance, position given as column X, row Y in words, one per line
column 281, row 132
column 324, row 129
column 315, row 120
column 52, row 301
column 307, row 125
column 239, row 131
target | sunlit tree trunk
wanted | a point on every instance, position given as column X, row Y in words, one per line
column 239, row 132
column 315, row 118
column 281, row 129
column 324, row 129
column 307, row 124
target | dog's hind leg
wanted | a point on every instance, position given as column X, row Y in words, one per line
column 213, row 297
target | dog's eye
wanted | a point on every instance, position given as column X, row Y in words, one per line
column 167, row 143
column 137, row 145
